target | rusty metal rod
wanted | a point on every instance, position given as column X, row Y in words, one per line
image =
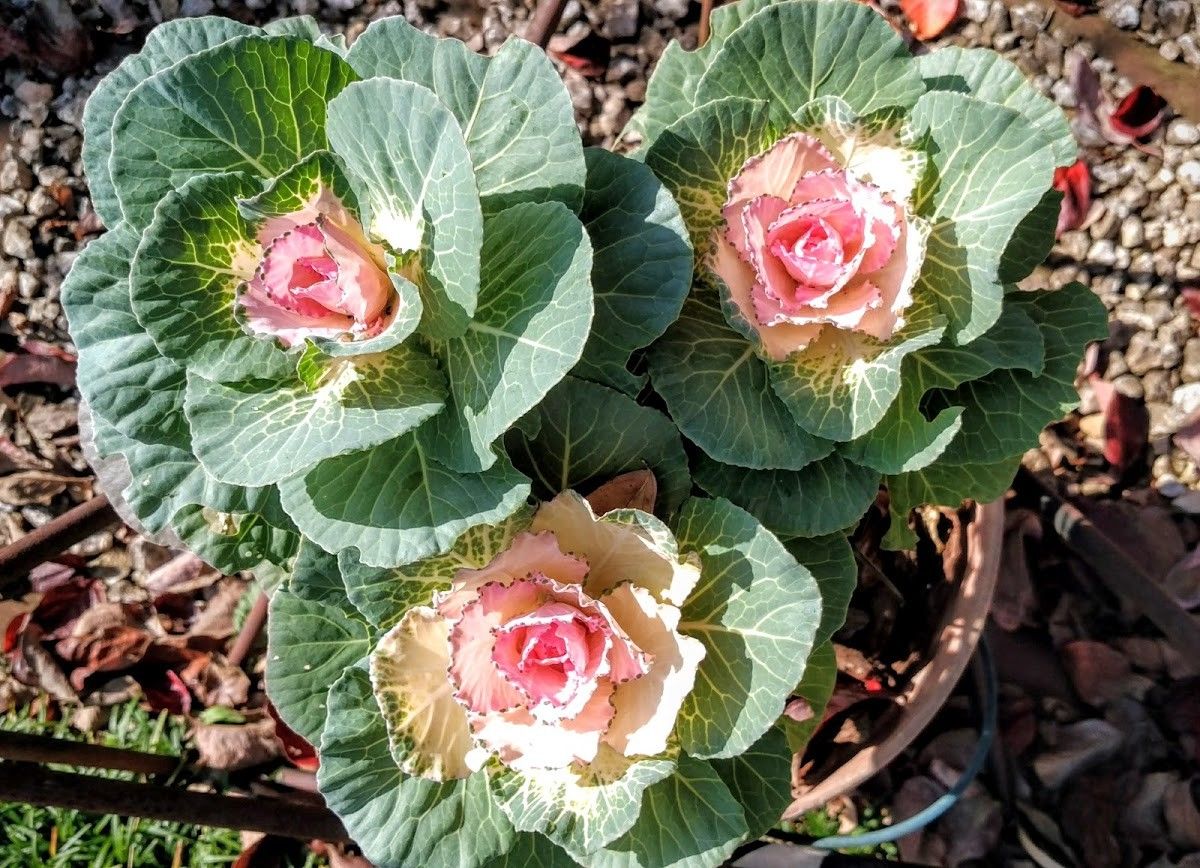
column 255, row 618
column 55, row 537
column 36, row 785
column 43, row 748
column 544, row 22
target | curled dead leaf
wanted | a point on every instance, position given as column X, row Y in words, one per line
column 1075, row 183
column 928, row 18
column 229, row 747
column 637, row 489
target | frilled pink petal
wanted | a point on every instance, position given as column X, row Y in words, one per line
column 265, row 318
column 478, row 683
column 528, row 553
column 554, row 654
column 775, row 172
column 365, row 290
column 895, row 281
column 323, row 202
column 288, row 265
column 842, row 220
column 646, row 708
column 886, row 221
column 778, row 341
column 811, row 250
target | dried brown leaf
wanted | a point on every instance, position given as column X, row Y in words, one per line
column 637, row 489
column 229, row 747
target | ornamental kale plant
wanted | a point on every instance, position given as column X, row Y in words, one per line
column 334, row 278
column 580, row 683
column 861, row 219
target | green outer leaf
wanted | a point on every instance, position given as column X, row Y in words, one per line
column 641, row 269
column 586, row 434
column 671, row 92
column 300, row 26
column 986, row 75
column 316, row 576
column 250, row 532
column 697, row 155
column 946, row 485
column 816, row 687
column 260, row 431
column 532, row 851
column 309, row 643
column 717, row 391
column 841, row 389
column 580, row 814
column 1006, row 409
column 412, row 174
column 806, row 49
column 535, row 309
column 515, row 114
column 823, row 497
column 395, row 504
column 384, row 595
column 1032, row 240
column 120, row 371
column 990, row 168
column 831, row 561
column 688, row 820
column 166, row 45
column 185, row 276
column 756, row 610
column 398, row 820
column 905, row 440
column 162, row 490
column 195, row 117
column 760, row 780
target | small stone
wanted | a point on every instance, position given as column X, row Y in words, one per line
column 1168, row 485
column 34, row 97
column 1133, row 232
column 1190, row 48
column 1131, row 387
column 16, row 241
column 195, row 8
column 1174, row 16
column 620, row 18
column 1183, row 132
column 674, row 9
column 1143, row 353
column 1125, row 15
column 1105, row 224
column 1191, row 361
column 41, row 203
column 1156, row 386
column 14, row 175
column 1186, row 399
column 1174, row 235
column 976, row 10
column 1074, row 245
column 1102, row 252
column 1189, row 175
column 1170, row 50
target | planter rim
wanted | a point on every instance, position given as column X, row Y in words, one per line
column 962, row 625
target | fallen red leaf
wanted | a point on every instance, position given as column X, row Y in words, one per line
column 1075, row 183
column 165, row 691
column 588, row 55
column 109, row 650
column 60, row 606
column 928, row 18
column 1139, row 114
column 296, row 748
column 17, row 369
column 1126, row 424
column 1191, row 298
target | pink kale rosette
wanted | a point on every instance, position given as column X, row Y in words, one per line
column 319, row 277
column 563, row 650
column 808, row 244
